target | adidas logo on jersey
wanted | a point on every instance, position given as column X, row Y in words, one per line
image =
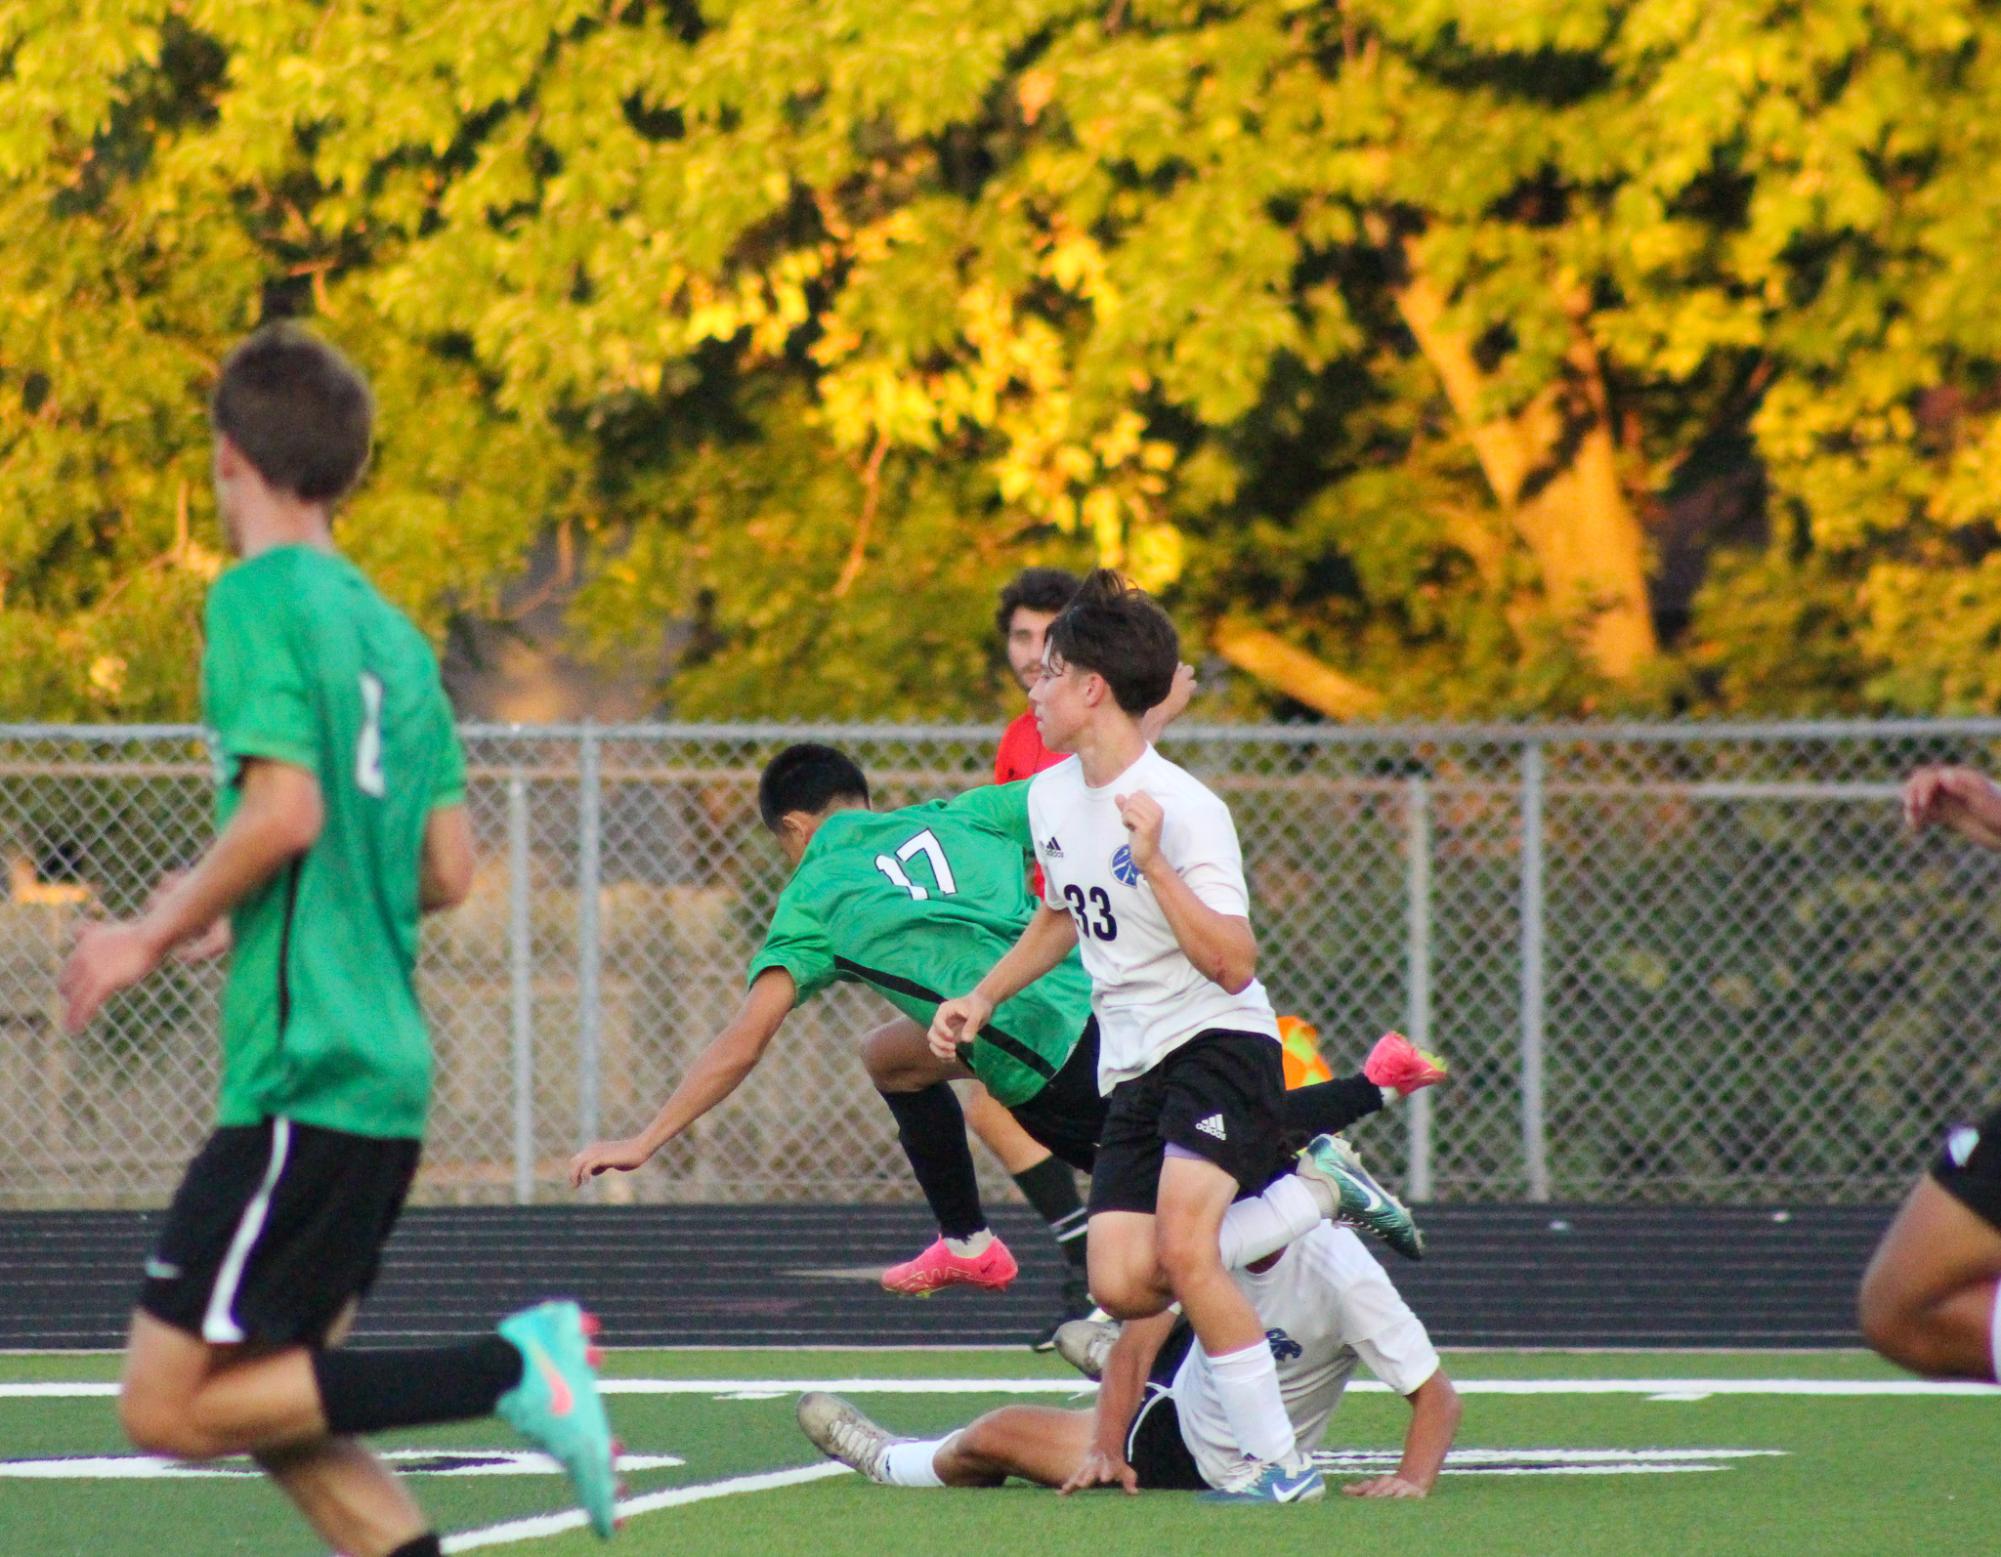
column 1052, row 848
column 1213, row 1125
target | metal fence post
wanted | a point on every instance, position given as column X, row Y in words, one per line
column 1535, row 1142
column 521, row 953
column 590, row 949
column 1417, row 959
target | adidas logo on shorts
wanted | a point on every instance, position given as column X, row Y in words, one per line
column 1052, row 848
column 1213, row 1125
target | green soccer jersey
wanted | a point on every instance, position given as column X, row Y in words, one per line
column 918, row 904
column 307, row 665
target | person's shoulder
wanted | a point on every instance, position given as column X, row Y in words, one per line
column 1164, row 779
column 1066, row 777
column 1337, row 1255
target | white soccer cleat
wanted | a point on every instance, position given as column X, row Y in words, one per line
column 1086, row 1343
column 841, row 1432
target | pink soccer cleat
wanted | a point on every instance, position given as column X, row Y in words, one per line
column 1397, row 1062
column 992, row 1268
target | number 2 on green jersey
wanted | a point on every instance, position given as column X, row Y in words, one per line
column 368, row 775
column 925, row 843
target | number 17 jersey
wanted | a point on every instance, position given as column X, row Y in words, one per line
column 918, row 904
column 307, row 665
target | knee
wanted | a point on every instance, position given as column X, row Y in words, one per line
column 156, row 1425
column 1185, row 1255
column 1895, row 1327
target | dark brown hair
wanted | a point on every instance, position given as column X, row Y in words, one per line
column 1040, row 589
column 1116, row 630
column 300, row 412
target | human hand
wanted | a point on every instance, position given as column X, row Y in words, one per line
column 1143, row 820
column 1384, row 1487
column 1101, row 1468
column 1947, row 796
column 607, row 1157
column 957, row 1022
column 110, row 955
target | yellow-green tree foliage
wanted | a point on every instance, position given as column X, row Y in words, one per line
column 1418, row 335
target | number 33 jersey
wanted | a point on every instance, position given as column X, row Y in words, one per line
column 1149, row 998
column 307, row 665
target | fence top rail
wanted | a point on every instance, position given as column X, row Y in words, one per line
column 1491, row 733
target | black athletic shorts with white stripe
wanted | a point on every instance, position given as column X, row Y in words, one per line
column 1155, row 1449
column 1968, row 1167
column 274, row 1230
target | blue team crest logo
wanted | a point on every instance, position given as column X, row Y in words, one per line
column 1123, row 866
column 1283, row 1347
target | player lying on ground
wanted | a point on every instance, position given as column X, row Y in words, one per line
column 902, row 900
column 1159, row 1424
column 1144, row 876
column 341, row 804
column 1929, row 1298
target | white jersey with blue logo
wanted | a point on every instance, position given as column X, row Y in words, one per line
column 1148, row 997
column 1325, row 1305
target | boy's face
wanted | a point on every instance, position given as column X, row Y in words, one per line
column 1062, row 700
column 1026, row 631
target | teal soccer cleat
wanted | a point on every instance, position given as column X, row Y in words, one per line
column 1294, row 1479
column 1361, row 1199
column 556, row 1406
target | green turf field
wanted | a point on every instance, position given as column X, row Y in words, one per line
column 1786, row 1455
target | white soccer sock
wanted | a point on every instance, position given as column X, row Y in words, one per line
column 971, row 1248
column 1994, row 1336
column 909, row 1464
column 1247, row 1387
column 1254, row 1228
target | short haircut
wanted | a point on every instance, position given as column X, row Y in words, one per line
column 809, row 778
column 1117, row 631
column 1040, row 589
column 299, row 410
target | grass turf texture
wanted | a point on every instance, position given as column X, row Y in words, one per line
column 1872, row 1474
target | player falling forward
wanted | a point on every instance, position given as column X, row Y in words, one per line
column 1143, row 874
column 1929, row 1298
column 341, row 804
column 1159, row 1422
column 902, row 901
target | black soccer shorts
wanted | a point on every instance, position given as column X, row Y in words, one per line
column 1155, row 1448
column 1968, row 1166
column 1068, row 1114
column 276, row 1228
column 1220, row 1096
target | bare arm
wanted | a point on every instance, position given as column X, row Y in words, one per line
column 717, row 1072
column 1957, row 798
column 1434, row 1421
column 278, row 819
column 445, row 876
column 1120, row 1392
column 1170, row 708
column 1047, row 941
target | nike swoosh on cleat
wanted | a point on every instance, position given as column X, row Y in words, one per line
column 561, row 1400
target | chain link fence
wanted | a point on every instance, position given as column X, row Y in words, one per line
column 1666, row 962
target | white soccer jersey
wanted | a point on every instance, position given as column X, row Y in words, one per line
column 1148, row 996
column 1325, row 1306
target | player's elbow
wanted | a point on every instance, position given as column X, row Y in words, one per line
column 295, row 827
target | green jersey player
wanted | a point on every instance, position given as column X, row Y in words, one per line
column 341, row 820
column 906, row 902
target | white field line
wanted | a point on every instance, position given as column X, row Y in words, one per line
column 773, row 1389
column 539, row 1525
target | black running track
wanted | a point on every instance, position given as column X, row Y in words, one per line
column 1504, row 1275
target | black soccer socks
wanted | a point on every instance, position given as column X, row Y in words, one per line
column 932, row 1131
column 371, row 1391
